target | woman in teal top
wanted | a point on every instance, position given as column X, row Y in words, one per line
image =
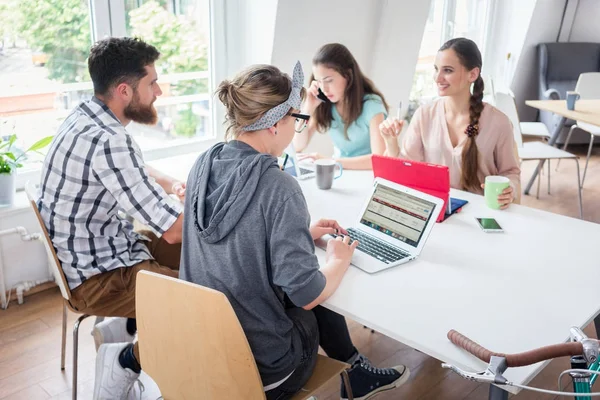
column 344, row 103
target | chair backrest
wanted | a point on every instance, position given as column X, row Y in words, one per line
column 561, row 63
column 191, row 342
column 506, row 103
column 588, row 85
column 57, row 271
column 489, row 89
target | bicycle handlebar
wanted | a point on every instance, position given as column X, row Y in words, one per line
column 519, row 359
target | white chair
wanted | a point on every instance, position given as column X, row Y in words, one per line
column 536, row 129
column 588, row 87
column 61, row 281
column 534, row 150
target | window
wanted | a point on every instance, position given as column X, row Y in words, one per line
column 447, row 19
column 43, row 70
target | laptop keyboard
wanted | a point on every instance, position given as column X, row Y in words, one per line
column 304, row 171
column 375, row 248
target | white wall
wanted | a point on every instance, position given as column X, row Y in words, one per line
column 21, row 260
column 585, row 26
column 510, row 24
column 258, row 30
column 544, row 27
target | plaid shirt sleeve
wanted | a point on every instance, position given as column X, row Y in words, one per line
column 120, row 167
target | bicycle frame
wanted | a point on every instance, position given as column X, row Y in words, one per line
column 583, row 380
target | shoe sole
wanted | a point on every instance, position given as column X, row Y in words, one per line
column 397, row 383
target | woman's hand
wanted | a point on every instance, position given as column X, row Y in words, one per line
column 324, row 227
column 391, row 128
column 310, row 156
column 504, row 198
column 312, row 101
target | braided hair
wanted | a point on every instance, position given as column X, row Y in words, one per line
column 470, row 57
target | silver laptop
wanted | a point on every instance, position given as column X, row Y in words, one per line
column 293, row 167
column 392, row 227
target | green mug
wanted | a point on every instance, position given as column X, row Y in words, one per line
column 494, row 185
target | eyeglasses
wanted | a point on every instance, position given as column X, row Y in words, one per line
column 301, row 121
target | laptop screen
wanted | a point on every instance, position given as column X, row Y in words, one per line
column 397, row 214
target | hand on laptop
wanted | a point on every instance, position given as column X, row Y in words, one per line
column 324, row 227
column 310, row 156
column 340, row 249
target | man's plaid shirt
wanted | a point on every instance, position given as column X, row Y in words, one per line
column 93, row 170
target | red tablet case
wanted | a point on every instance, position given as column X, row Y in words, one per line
column 428, row 178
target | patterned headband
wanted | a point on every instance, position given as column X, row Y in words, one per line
column 276, row 113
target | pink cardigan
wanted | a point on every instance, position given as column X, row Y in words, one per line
column 427, row 139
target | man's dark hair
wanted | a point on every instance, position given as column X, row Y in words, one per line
column 113, row 61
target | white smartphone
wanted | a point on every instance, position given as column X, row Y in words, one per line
column 489, row 225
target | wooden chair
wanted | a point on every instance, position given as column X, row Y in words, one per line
column 192, row 344
column 61, row 281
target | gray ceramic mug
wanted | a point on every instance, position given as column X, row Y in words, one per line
column 325, row 169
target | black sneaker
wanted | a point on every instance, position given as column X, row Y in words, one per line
column 366, row 380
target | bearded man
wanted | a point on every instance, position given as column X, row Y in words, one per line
column 92, row 173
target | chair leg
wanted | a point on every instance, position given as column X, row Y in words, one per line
column 537, row 195
column 579, row 188
column 567, row 142
column 75, row 351
column 587, row 160
column 346, row 380
column 63, row 347
column 549, row 176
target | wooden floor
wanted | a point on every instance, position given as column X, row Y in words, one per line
column 30, row 333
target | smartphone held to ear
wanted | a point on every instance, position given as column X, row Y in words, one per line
column 321, row 96
column 489, row 225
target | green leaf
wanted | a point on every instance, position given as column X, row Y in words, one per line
column 12, row 139
column 40, row 144
column 11, row 156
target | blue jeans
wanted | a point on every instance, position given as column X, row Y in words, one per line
column 318, row 326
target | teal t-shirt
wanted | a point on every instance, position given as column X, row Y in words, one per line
column 358, row 132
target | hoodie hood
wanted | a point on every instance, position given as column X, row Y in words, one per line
column 225, row 179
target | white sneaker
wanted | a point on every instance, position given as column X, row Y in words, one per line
column 113, row 382
column 150, row 389
column 111, row 330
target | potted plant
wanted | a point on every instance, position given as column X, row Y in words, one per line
column 10, row 160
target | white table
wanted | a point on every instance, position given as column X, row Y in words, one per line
column 510, row 292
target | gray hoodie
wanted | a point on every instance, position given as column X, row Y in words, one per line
column 246, row 234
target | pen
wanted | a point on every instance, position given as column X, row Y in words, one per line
column 284, row 161
column 399, row 112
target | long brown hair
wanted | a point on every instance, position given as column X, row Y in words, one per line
column 250, row 94
column 337, row 57
column 470, row 57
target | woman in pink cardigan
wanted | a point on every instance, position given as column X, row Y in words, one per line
column 459, row 130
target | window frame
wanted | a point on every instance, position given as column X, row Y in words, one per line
column 449, row 21
column 107, row 18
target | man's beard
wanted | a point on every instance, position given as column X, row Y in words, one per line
column 140, row 113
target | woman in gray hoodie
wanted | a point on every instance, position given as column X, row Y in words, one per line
column 247, row 233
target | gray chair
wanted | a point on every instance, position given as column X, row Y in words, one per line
column 560, row 65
